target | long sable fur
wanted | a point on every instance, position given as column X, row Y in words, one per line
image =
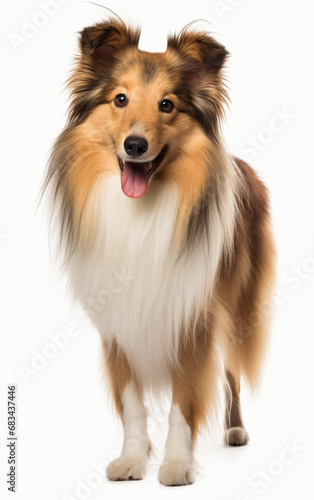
column 197, row 61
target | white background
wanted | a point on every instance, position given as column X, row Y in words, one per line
column 65, row 425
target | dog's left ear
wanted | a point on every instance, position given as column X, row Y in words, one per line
column 201, row 59
column 201, row 50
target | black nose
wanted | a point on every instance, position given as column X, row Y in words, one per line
column 135, row 146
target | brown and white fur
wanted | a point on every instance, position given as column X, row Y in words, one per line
column 175, row 267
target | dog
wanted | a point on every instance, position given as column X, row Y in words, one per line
column 165, row 237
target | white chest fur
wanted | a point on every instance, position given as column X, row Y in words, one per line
column 136, row 289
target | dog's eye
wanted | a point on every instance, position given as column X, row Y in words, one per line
column 120, row 100
column 166, row 106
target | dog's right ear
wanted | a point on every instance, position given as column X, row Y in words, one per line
column 102, row 41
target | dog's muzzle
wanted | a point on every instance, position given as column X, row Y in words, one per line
column 136, row 174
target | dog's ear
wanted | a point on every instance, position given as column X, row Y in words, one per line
column 101, row 42
column 100, row 47
column 200, row 59
column 201, row 51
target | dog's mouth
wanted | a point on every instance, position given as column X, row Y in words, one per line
column 135, row 175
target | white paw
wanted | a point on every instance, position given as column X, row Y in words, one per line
column 176, row 473
column 236, row 436
column 126, row 468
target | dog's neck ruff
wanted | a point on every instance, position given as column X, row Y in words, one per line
column 135, row 289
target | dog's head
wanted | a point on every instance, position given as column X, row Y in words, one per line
column 145, row 106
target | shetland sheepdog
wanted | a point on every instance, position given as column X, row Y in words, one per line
column 165, row 237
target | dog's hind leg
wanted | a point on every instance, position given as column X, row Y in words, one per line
column 235, row 433
column 129, row 403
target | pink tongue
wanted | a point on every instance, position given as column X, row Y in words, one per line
column 134, row 180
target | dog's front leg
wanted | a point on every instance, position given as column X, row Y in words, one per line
column 136, row 444
column 129, row 402
column 177, row 468
column 194, row 386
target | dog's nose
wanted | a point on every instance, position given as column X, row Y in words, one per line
column 135, row 146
